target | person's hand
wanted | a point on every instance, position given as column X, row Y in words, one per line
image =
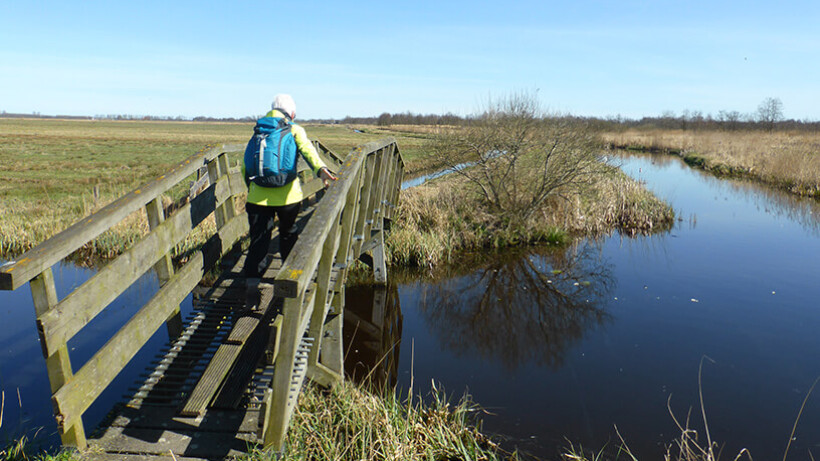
column 326, row 176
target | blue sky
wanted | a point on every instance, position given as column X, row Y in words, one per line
column 229, row 59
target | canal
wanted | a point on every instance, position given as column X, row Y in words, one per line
column 567, row 345
column 615, row 333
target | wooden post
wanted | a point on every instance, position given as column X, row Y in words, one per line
column 379, row 259
column 164, row 267
column 58, row 364
column 229, row 205
column 331, row 342
column 221, row 213
column 367, row 190
column 276, row 418
column 323, row 273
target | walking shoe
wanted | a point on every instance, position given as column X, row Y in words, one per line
column 252, row 294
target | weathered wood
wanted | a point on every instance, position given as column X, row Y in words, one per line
column 164, row 268
column 60, row 324
column 58, row 364
column 367, row 191
column 379, row 260
column 47, row 253
column 323, row 274
column 323, row 375
column 275, row 421
column 76, row 396
column 193, row 444
column 274, row 340
column 350, row 216
column 332, row 353
column 300, row 266
column 242, row 330
column 167, row 418
column 218, row 368
column 376, row 192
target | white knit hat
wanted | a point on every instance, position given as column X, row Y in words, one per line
column 284, row 103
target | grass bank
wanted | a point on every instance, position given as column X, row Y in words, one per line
column 783, row 159
column 350, row 423
column 437, row 220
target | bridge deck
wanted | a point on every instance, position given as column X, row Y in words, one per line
column 185, row 406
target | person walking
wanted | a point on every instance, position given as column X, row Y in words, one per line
column 264, row 202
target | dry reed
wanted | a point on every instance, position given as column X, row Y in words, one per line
column 788, row 160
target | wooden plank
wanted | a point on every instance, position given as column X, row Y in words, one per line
column 192, row 444
column 47, row 253
column 58, row 365
column 103, row 456
column 242, row 330
column 76, row 396
column 60, row 324
column 167, row 418
column 218, row 368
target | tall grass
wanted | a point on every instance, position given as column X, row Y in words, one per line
column 788, row 160
column 348, row 423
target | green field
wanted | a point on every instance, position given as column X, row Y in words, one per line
column 49, row 169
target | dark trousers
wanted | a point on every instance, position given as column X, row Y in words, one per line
column 260, row 220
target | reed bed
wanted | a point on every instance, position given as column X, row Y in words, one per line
column 440, row 218
column 787, row 160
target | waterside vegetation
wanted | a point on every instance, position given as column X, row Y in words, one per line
column 789, row 160
column 348, row 422
column 520, row 177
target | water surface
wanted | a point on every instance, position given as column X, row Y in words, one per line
column 570, row 345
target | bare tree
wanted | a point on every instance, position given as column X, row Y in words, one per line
column 517, row 157
column 770, row 111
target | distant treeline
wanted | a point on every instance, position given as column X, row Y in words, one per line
column 159, row 118
column 687, row 120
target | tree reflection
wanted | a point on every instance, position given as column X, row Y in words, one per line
column 519, row 308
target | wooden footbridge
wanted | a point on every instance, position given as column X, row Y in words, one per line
column 231, row 377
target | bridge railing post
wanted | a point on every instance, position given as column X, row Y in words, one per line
column 164, row 268
column 58, row 364
column 330, row 242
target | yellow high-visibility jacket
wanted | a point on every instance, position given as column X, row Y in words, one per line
column 292, row 191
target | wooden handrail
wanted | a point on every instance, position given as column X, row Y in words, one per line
column 31, row 263
column 346, row 223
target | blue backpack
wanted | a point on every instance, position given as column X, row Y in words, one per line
column 270, row 157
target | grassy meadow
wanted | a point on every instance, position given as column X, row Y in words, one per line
column 784, row 159
column 50, row 170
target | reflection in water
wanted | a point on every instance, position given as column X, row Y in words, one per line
column 520, row 307
column 770, row 200
column 372, row 335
